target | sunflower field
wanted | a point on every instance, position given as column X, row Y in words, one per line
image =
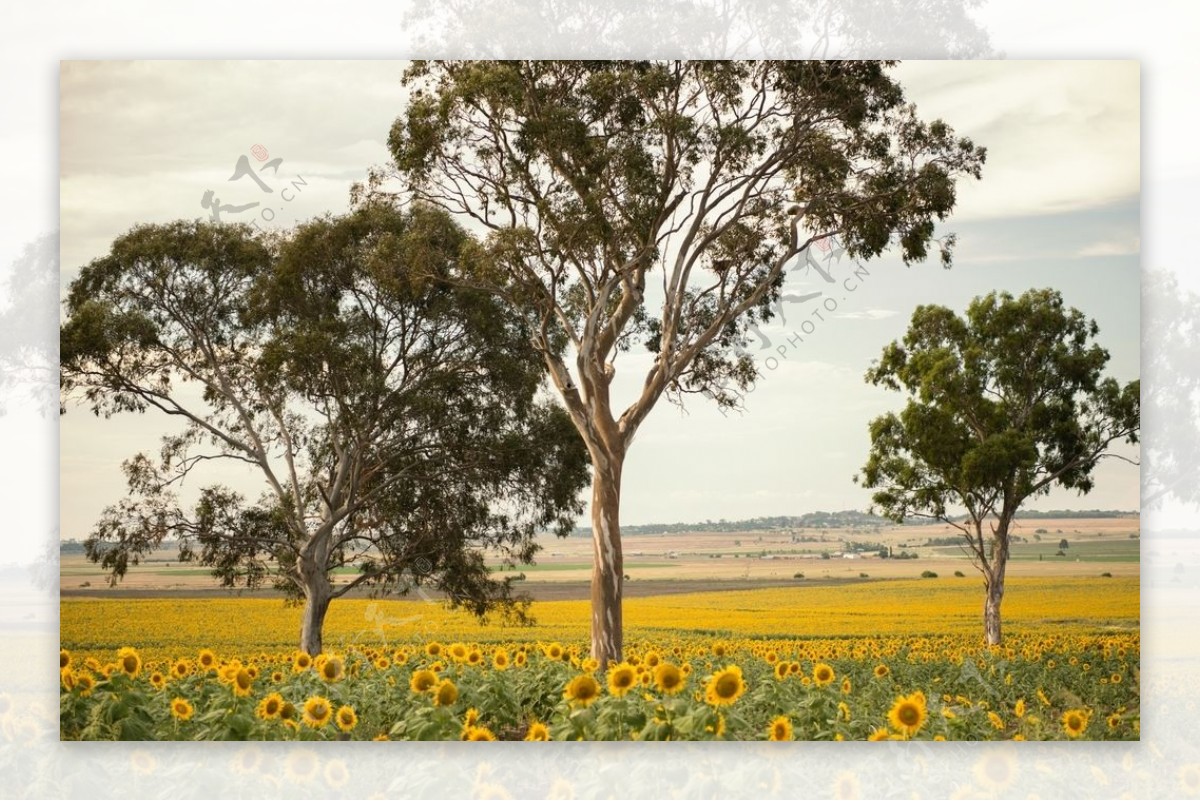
column 1054, row 678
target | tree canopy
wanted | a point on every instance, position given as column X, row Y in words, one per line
column 1003, row 405
column 657, row 205
column 392, row 417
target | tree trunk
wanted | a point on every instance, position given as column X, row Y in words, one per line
column 994, row 580
column 607, row 562
column 317, row 594
column 991, row 609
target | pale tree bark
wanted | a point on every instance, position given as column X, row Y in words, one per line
column 316, row 604
column 993, row 579
column 311, row 569
column 607, row 560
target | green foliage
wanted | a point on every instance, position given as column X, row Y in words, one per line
column 928, row 574
column 1003, row 404
column 584, row 170
column 388, row 412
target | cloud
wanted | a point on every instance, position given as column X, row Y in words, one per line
column 1112, row 247
column 867, row 314
column 1060, row 135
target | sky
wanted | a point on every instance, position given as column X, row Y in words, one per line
column 1058, row 207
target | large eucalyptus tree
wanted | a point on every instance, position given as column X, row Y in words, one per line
column 390, row 418
column 658, row 204
column 1003, row 405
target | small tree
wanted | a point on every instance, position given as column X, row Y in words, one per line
column 659, row 204
column 390, row 417
column 1003, row 405
column 1063, row 544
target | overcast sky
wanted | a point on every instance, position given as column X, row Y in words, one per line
column 1058, row 207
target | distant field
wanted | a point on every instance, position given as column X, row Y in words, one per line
column 1096, row 546
column 914, row 608
column 1098, row 550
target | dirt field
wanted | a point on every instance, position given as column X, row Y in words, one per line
column 667, row 563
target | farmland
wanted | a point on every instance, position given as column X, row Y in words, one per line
column 724, row 640
column 713, row 560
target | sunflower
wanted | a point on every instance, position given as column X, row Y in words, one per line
column 317, row 711
column 423, row 680
column 479, row 734
column 583, row 690
column 180, row 669
column 434, row 649
column 332, row 669
column 537, row 732
column 846, row 686
column 1019, row 708
column 782, row 669
column 243, row 682
column 270, row 706
column 996, row 721
column 652, row 659
column 68, row 678
column 1115, row 678
column 554, row 651
column 908, row 714
column 621, row 678
column 725, row 686
column 458, row 652
column 287, row 712
column 520, row 659
column 84, row 683
column 345, row 718
column 228, row 672
column 1042, row 697
column 844, row 711
column 878, row 734
column 500, row 660
column 823, row 674
column 780, row 729
column 668, row 678
column 181, row 709
column 206, row 659
column 276, row 676
column 64, row 659
column 445, row 694
column 158, row 680
column 301, row 662
column 1113, row 720
column 129, row 662
column 1075, row 722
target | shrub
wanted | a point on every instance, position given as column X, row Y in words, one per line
column 1106, row 574
column 959, row 574
column 928, row 574
column 797, row 575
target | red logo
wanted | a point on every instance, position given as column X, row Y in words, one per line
column 259, row 152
